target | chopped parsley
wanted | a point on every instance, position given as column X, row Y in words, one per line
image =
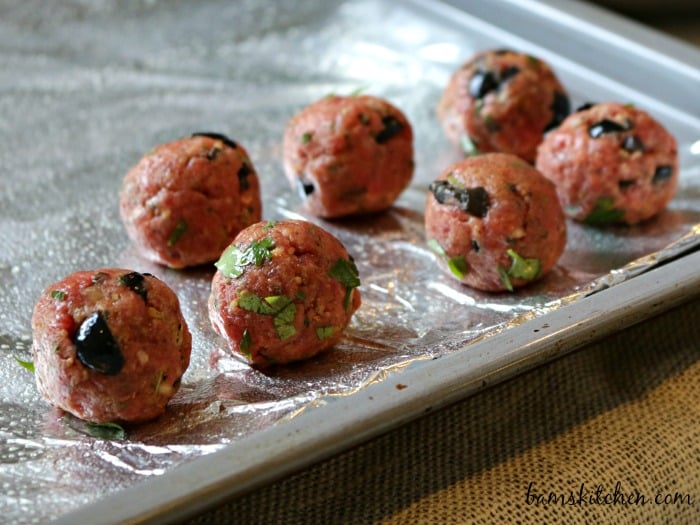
column 346, row 273
column 233, row 261
column 604, row 212
column 306, row 137
column 178, row 231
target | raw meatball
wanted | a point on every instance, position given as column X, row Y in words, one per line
column 349, row 155
column 284, row 291
column 110, row 345
column 186, row 200
column 494, row 222
column 502, row 101
column 611, row 163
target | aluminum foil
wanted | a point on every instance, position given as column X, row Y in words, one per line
column 87, row 87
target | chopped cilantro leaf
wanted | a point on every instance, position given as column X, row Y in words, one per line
column 468, row 146
column 178, row 231
column 345, row 272
column 246, row 343
column 280, row 307
column 434, row 245
column 27, row 365
column 111, row 431
column 284, row 331
column 253, row 303
column 458, row 266
column 604, row 212
column 523, row 268
column 505, row 279
column 59, row 295
column 234, row 259
column 325, row 332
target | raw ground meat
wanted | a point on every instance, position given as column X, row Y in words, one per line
column 110, row 345
column 494, row 222
column 349, row 155
column 284, row 291
column 186, row 200
column 502, row 101
column 611, row 163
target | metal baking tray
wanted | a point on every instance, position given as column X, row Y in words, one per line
column 88, row 88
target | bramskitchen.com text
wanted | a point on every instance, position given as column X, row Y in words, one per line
column 600, row 495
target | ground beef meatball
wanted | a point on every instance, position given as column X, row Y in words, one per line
column 284, row 291
column 186, row 200
column 611, row 163
column 502, row 101
column 110, row 345
column 494, row 222
column 349, row 155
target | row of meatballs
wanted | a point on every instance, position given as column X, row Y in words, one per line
column 112, row 344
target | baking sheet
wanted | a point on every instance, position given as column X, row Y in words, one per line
column 87, row 88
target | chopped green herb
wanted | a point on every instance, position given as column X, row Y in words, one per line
column 269, row 225
column 306, row 137
column 458, row 266
column 178, row 231
column 468, row 146
column 345, row 272
column 284, row 331
column 358, row 91
column 59, row 295
column 284, row 307
column 434, row 245
column 523, row 268
column 455, row 182
column 253, row 303
column 505, row 279
column 111, row 431
column 325, row 332
column 27, row 365
column 246, row 343
column 233, row 261
column 604, row 212
column 159, row 380
column 280, row 307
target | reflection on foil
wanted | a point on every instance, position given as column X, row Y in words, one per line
column 89, row 88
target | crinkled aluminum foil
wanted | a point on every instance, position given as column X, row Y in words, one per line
column 87, row 87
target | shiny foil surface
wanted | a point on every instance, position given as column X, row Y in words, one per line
column 88, row 87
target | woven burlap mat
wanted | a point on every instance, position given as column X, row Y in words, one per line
column 608, row 434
